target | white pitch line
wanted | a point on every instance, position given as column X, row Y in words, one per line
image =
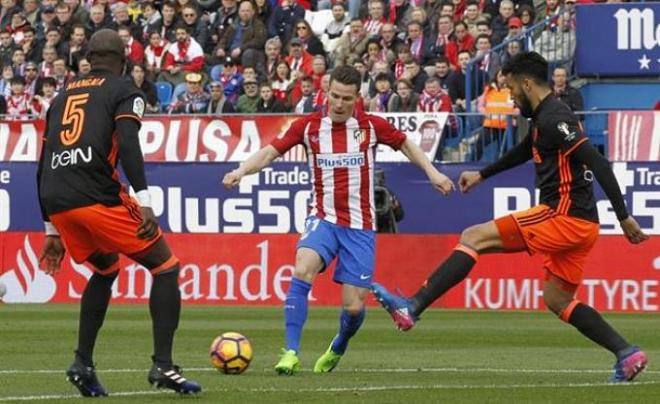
column 344, row 389
column 384, row 370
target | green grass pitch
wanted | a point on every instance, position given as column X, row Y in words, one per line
column 451, row 356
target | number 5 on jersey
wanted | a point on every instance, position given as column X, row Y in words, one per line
column 74, row 115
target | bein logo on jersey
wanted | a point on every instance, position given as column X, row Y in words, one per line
column 340, row 160
column 70, row 157
column 27, row 283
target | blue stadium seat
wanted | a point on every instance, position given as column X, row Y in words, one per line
column 164, row 90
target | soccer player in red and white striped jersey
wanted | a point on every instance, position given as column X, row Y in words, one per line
column 341, row 147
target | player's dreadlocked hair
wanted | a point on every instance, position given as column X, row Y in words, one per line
column 347, row 75
column 528, row 64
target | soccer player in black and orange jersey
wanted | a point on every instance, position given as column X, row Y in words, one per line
column 91, row 125
column 563, row 227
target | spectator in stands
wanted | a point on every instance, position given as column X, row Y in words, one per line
column 7, row 9
column 64, row 20
column 245, row 39
column 7, row 47
column 565, row 92
column 497, row 106
column 196, row 26
column 61, row 73
column 267, row 103
column 170, row 21
column 222, row 19
column 376, row 18
column 231, row 80
column 48, row 56
column 154, row 55
column 512, row 48
column 364, row 73
column 98, row 19
column 31, row 78
column 383, row 93
column 515, row 27
column 84, row 67
column 339, row 21
column 527, row 15
column 404, row 100
column 134, row 49
column 457, row 82
column 443, row 72
column 194, row 100
column 5, row 86
column 138, row 73
column 18, row 26
column 282, row 84
column 403, row 56
column 53, row 39
column 284, row 17
column 46, row 20
column 416, row 42
column 418, row 14
column 247, row 103
column 432, row 8
column 375, row 53
column 321, row 97
column 557, row 45
column 306, row 103
column 351, row 45
column 273, row 54
column 483, row 28
column 433, row 99
column 448, row 9
column 218, row 104
column 29, row 45
column 183, row 56
column 76, row 47
column 18, row 62
column 311, row 43
column 462, row 41
column 416, row 75
column 263, row 11
column 41, row 102
column 152, row 20
column 120, row 16
column 499, row 24
column 490, row 63
column 31, row 10
column 249, row 73
column 389, row 41
column 300, row 62
column 18, row 102
column 400, row 12
column 472, row 16
column 442, row 38
column 319, row 68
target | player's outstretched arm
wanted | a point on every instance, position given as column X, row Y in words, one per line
column 587, row 154
column 519, row 154
column 439, row 181
column 253, row 164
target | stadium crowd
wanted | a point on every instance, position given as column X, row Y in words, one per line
column 263, row 56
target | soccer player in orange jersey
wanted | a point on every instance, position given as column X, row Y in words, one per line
column 563, row 227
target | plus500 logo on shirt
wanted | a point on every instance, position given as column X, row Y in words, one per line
column 340, row 160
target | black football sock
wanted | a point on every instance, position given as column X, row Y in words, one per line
column 93, row 306
column 593, row 326
column 449, row 273
column 165, row 309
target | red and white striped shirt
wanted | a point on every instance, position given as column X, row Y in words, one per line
column 341, row 162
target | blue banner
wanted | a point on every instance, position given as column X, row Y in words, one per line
column 189, row 198
column 618, row 39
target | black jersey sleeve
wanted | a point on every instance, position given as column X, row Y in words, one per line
column 562, row 132
column 514, row 157
column 588, row 155
column 130, row 103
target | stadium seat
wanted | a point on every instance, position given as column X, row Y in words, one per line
column 164, row 90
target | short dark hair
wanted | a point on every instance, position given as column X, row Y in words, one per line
column 347, row 75
column 483, row 36
column 49, row 81
column 432, row 79
column 441, row 59
column 307, row 79
column 461, row 23
column 482, row 22
column 17, row 80
column 405, row 82
column 382, row 77
column 527, row 64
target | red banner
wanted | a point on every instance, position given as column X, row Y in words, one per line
column 634, row 135
column 256, row 269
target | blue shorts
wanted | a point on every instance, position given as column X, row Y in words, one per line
column 353, row 248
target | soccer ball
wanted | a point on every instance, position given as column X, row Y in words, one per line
column 231, row 353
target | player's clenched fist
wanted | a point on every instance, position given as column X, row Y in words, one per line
column 441, row 182
column 232, row 179
column 468, row 180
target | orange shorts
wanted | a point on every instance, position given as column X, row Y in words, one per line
column 103, row 229
column 564, row 240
